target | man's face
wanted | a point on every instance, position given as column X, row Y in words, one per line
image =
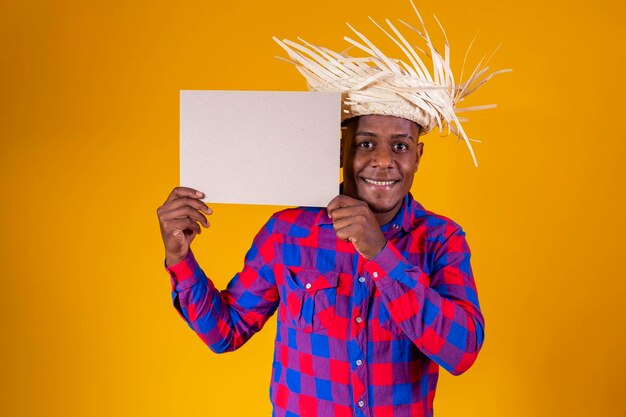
column 380, row 158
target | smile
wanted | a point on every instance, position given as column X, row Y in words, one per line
column 380, row 183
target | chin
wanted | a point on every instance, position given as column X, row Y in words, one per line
column 383, row 207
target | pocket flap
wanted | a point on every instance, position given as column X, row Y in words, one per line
column 313, row 280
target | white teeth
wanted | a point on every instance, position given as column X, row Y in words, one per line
column 380, row 183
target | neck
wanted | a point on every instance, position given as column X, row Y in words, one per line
column 385, row 217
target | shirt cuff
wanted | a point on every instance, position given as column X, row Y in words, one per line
column 183, row 274
column 382, row 267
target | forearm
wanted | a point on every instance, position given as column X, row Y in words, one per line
column 442, row 319
column 213, row 315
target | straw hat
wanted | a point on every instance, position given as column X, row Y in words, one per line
column 406, row 88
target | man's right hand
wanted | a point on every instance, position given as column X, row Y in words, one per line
column 179, row 217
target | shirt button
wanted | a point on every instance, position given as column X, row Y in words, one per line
column 375, row 274
column 308, row 285
column 396, row 227
column 361, row 279
column 361, row 403
column 359, row 319
column 359, row 362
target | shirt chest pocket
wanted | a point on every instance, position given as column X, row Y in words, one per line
column 311, row 297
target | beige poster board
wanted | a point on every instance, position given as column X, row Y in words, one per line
column 261, row 147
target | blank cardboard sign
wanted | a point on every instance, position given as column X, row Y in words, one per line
column 261, row 147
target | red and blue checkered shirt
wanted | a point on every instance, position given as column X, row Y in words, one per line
column 354, row 337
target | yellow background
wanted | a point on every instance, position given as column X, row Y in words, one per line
column 89, row 129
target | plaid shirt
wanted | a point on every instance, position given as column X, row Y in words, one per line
column 355, row 337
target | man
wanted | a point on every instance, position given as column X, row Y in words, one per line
column 373, row 293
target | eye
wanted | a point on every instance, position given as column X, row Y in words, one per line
column 366, row 144
column 400, row 147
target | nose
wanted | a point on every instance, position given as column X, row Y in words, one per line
column 382, row 157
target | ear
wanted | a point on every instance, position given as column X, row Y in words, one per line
column 418, row 154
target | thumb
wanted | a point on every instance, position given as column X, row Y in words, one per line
column 180, row 242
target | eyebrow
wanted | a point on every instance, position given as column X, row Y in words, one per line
column 373, row 135
column 365, row 133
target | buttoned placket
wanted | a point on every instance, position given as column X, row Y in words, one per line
column 362, row 291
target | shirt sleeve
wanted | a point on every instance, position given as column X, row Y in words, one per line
column 226, row 319
column 439, row 311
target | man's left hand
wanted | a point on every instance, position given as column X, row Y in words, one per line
column 354, row 222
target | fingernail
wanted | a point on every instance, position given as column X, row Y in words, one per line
column 199, row 194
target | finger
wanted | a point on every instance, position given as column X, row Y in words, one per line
column 341, row 201
column 177, row 226
column 344, row 212
column 185, row 211
column 183, row 192
column 333, row 204
column 347, row 234
column 182, row 201
column 344, row 222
